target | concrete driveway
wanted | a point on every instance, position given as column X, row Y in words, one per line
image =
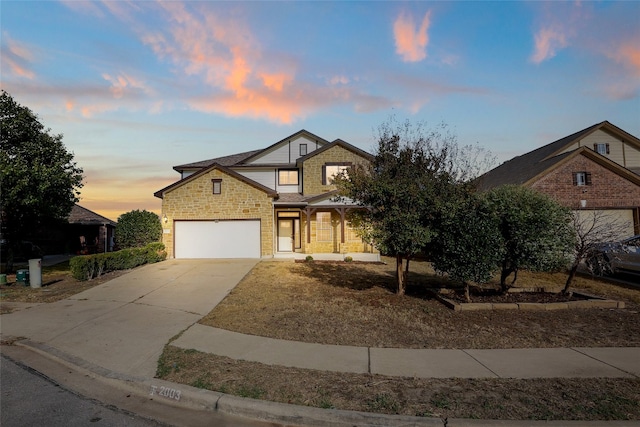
column 124, row 324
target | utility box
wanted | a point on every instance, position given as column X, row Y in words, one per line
column 22, row 277
column 35, row 272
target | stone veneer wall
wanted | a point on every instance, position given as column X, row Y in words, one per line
column 195, row 200
column 312, row 169
column 608, row 190
column 335, row 245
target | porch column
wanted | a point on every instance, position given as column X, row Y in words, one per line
column 342, row 212
column 308, row 212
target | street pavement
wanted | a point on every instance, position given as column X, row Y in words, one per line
column 31, row 399
column 115, row 333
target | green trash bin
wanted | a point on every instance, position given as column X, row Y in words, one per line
column 22, row 277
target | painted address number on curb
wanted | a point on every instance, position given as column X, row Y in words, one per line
column 169, row 393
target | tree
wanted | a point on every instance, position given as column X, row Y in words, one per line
column 469, row 244
column 138, row 228
column 536, row 231
column 413, row 177
column 592, row 230
column 40, row 180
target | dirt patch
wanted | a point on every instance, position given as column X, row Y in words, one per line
column 57, row 284
column 352, row 304
column 503, row 399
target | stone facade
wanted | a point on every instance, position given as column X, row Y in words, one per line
column 334, row 245
column 608, row 190
column 194, row 200
column 312, row 169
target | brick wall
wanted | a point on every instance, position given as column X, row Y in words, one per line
column 608, row 190
column 195, row 200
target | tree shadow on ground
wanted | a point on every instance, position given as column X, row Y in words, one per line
column 348, row 275
column 358, row 277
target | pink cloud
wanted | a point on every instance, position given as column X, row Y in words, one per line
column 122, row 83
column 627, row 54
column 547, row 43
column 411, row 42
column 18, row 57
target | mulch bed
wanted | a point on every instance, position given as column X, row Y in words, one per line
column 517, row 297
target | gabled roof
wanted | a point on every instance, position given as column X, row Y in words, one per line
column 84, row 216
column 223, row 161
column 336, row 143
column 301, row 132
column 526, row 168
column 269, row 191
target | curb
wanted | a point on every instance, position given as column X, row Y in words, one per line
column 191, row 398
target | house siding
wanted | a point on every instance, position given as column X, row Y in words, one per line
column 620, row 152
column 312, row 168
column 286, row 153
column 195, row 200
column 608, row 190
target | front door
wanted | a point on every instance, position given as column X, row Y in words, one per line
column 285, row 235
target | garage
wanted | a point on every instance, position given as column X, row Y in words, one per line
column 621, row 218
column 217, row 239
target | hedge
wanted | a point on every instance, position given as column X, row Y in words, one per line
column 87, row 267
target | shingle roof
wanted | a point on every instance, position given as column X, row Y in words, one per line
column 84, row 216
column 521, row 169
column 222, row 161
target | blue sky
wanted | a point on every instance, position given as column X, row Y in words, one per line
column 137, row 87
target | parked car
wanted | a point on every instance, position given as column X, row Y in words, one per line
column 617, row 257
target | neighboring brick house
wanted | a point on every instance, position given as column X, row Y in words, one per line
column 597, row 168
column 89, row 232
column 278, row 201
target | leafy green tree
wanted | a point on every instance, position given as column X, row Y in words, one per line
column 537, row 231
column 138, row 228
column 39, row 179
column 414, row 176
column 469, row 246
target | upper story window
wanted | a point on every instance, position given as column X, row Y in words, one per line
column 303, row 150
column 217, row 186
column 601, row 148
column 287, row 177
column 582, row 178
column 329, row 170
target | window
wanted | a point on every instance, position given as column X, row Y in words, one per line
column 303, row 149
column 351, row 234
column 287, row 177
column 323, row 226
column 601, row 149
column 330, row 170
column 582, row 178
column 217, row 186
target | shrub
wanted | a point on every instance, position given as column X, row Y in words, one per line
column 348, row 259
column 87, row 267
column 309, row 258
column 137, row 229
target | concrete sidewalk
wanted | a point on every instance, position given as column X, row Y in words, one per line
column 417, row 363
column 116, row 332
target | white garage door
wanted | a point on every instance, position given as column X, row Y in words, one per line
column 222, row 239
column 621, row 219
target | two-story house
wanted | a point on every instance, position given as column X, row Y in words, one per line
column 278, row 201
column 597, row 168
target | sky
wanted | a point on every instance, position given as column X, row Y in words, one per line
column 137, row 87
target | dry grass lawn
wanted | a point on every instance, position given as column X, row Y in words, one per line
column 352, row 304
